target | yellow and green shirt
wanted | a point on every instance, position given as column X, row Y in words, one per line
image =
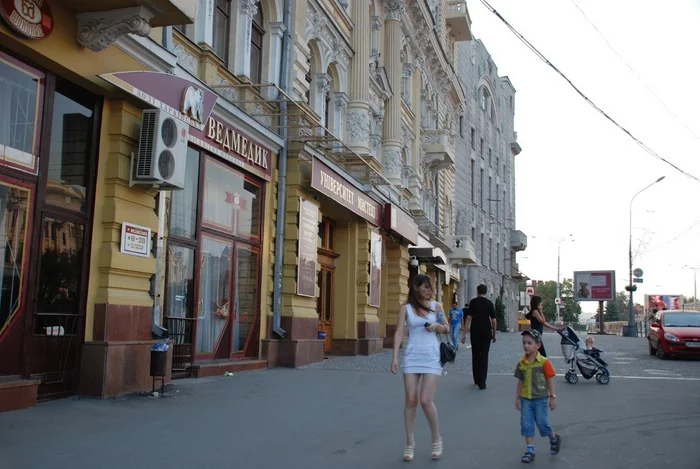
column 534, row 376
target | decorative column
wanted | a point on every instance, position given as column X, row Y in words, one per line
column 358, row 109
column 276, row 32
column 319, row 87
column 341, row 104
column 243, row 18
column 204, row 23
column 392, row 120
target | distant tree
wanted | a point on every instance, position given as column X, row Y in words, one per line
column 612, row 312
column 572, row 309
column 500, row 313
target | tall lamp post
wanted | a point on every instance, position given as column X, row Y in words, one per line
column 695, row 286
column 558, row 305
column 632, row 323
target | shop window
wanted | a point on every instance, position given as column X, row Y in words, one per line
column 231, row 202
column 183, row 204
column 214, row 293
column 246, row 296
column 222, row 15
column 60, row 276
column 21, row 95
column 70, row 149
column 179, row 299
column 256, row 47
column 14, row 204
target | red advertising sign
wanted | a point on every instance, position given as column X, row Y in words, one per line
column 594, row 285
column 31, row 18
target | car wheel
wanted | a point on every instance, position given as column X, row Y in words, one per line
column 652, row 350
column 660, row 352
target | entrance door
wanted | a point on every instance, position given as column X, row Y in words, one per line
column 324, row 303
column 326, row 290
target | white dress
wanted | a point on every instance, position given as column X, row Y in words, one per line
column 422, row 352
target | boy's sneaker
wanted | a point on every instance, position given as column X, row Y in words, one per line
column 528, row 457
column 555, row 445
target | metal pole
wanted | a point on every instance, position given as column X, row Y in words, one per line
column 695, row 290
column 631, row 322
column 558, row 292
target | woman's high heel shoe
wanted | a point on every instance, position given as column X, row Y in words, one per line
column 437, row 449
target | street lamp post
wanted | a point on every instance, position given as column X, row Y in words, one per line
column 558, row 305
column 632, row 323
column 695, row 286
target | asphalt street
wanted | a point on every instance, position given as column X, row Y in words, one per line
column 347, row 413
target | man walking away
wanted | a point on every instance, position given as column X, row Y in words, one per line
column 482, row 318
column 455, row 324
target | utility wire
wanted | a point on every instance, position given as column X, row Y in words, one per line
column 635, row 73
column 678, row 236
column 586, row 98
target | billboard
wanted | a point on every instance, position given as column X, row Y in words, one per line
column 661, row 302
column 594, row 285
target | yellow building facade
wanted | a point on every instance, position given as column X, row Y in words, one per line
column 313, row 177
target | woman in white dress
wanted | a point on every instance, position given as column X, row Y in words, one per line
column 421, row 368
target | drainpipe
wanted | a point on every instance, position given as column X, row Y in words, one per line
column 282, row 171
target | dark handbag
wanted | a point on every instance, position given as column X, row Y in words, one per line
column 447, row 353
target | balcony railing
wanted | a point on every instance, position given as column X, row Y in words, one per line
column 463, row 250
column 518, row 240
column 439, row 149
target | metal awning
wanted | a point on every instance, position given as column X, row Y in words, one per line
column 434, row 256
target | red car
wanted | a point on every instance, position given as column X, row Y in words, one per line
column 675, row 332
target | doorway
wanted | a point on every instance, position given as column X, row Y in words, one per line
column 326, row 281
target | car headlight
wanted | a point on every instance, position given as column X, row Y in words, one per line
column 671, row 337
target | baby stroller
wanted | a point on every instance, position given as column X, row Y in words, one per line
column 588, row 361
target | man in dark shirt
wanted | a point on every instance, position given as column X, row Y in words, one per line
column 481, row 315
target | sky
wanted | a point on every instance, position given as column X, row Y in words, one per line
column 578, row 172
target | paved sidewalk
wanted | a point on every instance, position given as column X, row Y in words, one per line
column 316, row 418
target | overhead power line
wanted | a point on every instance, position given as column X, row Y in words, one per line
column 634, row 72
column 586, row 98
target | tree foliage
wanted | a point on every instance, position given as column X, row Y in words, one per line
column 569, row 310
column 617, row 310
column 500, row 313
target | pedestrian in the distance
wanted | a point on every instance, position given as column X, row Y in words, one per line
column 537, row 320
column 425, row 318
column 481, row 322
column 456, row 319
column 535, row 389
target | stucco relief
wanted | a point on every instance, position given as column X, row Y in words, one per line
column 187, row 61
column 395, row 9
column 357, row 124
column 393, row 166
column 99, row 30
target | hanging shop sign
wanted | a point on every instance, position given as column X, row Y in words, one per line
column 178, row 97
column 30, row 18
column 226, row 142
column 400, row 223
column 331, row 184
column 308, row 239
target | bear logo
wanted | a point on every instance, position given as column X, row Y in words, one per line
column 583, row 291
column 193, row 103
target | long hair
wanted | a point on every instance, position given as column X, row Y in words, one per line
column 534, row 304
column 413, row 300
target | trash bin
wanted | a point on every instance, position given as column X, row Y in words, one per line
column 159, row 363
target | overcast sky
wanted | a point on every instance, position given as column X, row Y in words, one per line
column 578, row 172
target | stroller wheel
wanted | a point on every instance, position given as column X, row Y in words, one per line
column 603, row 377
column 571, row 378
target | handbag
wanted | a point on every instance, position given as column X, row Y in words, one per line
column 447, row 350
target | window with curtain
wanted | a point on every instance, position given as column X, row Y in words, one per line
column 256, row 47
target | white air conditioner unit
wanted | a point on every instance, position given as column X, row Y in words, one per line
column 162, row 151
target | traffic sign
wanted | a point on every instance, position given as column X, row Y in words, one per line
column 638, row 272
column 637, row 280
column 557, row 301
column 530, row 291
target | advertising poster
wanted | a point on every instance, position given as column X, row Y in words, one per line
column 308, row 237
column 375, row 271
column 594, row 285
column 663, row 302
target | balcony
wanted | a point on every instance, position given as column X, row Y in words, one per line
column 518, row 240
column 439, row 150
column 423, row 211
column 458, row 20
column 463, row 250
column 101, row 23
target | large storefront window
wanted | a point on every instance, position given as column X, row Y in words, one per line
column 213, row 260
column 71, row 134
column 14, row 204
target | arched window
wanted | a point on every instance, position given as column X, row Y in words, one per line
column 256, row 47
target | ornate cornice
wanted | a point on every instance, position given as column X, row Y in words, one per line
column 99, row 30
column 249, row 7
column 395, row 9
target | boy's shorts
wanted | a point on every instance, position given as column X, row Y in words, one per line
column 534, row 411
